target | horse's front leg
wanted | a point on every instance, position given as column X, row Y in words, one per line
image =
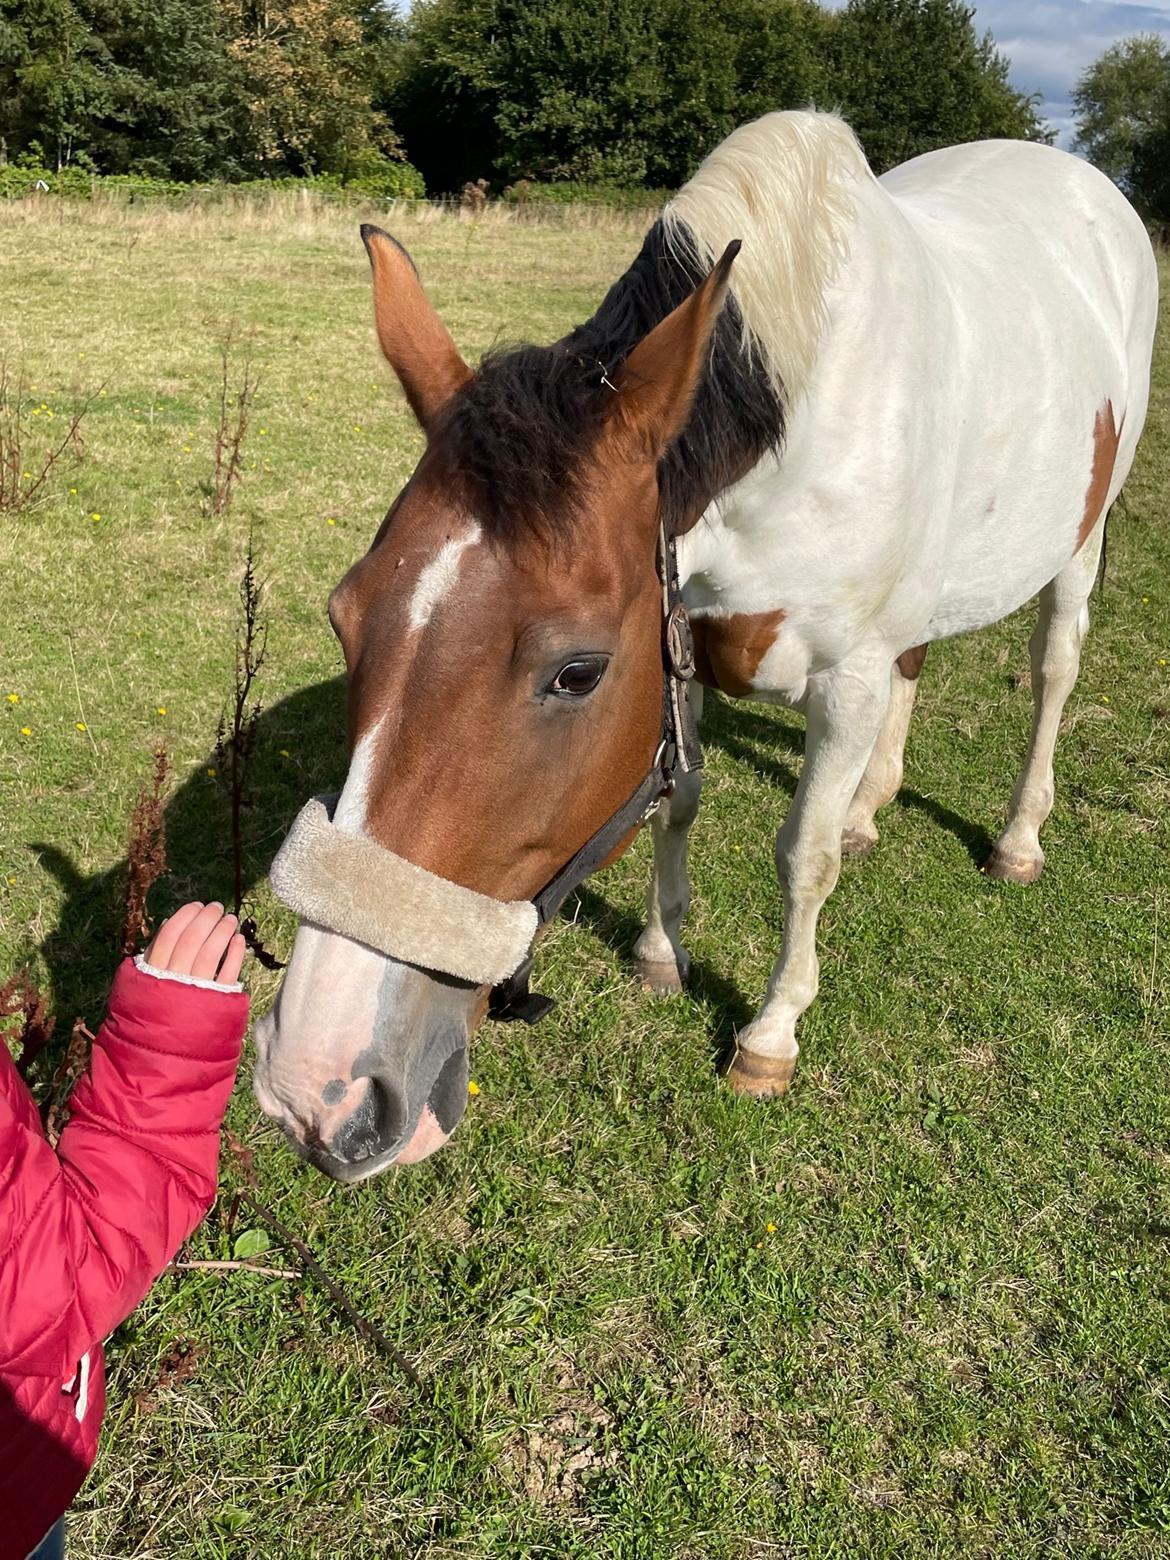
column 661, row 960
column 845, row 710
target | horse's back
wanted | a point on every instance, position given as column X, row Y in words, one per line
column 978, row 204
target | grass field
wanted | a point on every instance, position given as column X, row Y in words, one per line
column 919, row 1308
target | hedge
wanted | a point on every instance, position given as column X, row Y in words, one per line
column 392, row 181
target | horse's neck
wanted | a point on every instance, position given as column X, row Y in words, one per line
column 870, row 384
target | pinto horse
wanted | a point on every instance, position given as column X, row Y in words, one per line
column 904, row 410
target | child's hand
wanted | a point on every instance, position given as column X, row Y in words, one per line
column 199, row 940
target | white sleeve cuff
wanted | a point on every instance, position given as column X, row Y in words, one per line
column 183, row 980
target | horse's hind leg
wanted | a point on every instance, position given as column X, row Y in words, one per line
column 660, row 958
column 1056, row 657
column 882, row 779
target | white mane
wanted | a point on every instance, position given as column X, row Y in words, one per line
column 784, row 185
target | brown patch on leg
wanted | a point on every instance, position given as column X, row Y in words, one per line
column 761, row 1077
column 910, row 662
column 728, row 650
column 1106, row 437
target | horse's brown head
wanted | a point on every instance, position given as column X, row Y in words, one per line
column 502, row 640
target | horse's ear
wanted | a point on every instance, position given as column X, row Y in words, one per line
column 413, row 338
column 657, row 382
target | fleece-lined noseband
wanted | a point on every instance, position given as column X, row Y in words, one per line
column 353, row 886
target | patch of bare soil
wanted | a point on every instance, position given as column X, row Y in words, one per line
column 553, row 1459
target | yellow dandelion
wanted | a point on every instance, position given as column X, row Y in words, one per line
column 770, row 1228
column 186, row 449
column 81, row 726
column 212, row 773
column 357, row 427
column 284, row 752
column 73, row 490
column 162, row 709
column 331, row 522
column 1161, row 660
column 14, row 698
column 94, row 515
column 12, row 880
column 1145, row 601
column 472, row 1087
column 264, row 431
column 27, row 475
column 26, row 731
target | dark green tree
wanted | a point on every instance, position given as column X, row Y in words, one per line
column 52, row 80
column 913, row 75
column 1120, row 101
column 173, row 105
column 1150, row 176
column 444, row 91
column 631, row 92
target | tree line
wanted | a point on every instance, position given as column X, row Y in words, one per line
column 626, row 93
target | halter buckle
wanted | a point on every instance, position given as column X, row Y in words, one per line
column 680, row 643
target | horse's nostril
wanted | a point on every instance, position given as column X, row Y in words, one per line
column 375, row 1126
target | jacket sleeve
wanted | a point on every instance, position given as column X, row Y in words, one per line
column 85, row 1230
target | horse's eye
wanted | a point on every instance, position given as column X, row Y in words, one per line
column 579, row 677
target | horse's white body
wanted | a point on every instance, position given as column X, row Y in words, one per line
column 965, row 337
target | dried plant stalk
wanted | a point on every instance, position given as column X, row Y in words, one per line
column 19, row 485
column 146, row 853
column 19, row 997
column 56, row 1112
column 235, row 414
column 235, row 738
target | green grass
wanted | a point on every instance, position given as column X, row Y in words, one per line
column 918, row 1308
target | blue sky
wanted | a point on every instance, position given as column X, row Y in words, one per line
column 1050, row 42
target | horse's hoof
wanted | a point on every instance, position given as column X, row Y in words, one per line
column 761, row 1077
column 1013, row 869
column 854, row 843
column 661, row 977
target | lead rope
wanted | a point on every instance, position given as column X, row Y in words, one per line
column 679, row 748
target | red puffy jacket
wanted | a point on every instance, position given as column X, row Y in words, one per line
column 85, row 1230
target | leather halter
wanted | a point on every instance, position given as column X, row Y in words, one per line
column 678, row 748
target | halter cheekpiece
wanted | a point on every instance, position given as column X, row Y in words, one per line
column 353, row 886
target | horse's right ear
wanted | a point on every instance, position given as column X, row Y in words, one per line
column 413, row 338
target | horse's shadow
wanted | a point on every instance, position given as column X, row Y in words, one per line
column 299, row 752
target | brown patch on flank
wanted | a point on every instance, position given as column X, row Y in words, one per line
column 728, row 650
column 910, row 662
column 1106, row 436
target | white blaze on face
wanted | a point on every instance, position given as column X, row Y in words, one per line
column 439, row 577
column 350, row 813
column 329, row 995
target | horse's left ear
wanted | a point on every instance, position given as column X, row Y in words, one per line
column 657, row 382
column 413, row 338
